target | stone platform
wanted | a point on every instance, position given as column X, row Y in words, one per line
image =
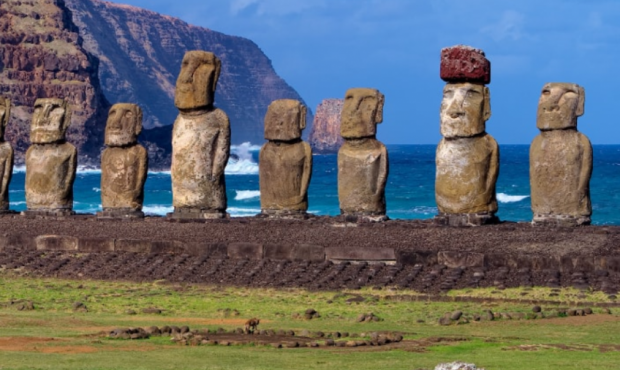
column 319, row 253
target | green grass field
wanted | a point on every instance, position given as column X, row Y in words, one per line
column 54, row 336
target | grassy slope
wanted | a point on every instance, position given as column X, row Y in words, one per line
column 490, row 344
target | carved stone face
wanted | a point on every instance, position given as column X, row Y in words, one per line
column 5, row 113
column 465, row 108
column 196, row 84
column 362, row 111
column 50, row 121
column 284, row 120
column 124, row 125
column 559, row 106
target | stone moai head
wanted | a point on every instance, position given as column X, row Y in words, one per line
column 50, row 121
column 466, row 103
column 285, row 119
column 5, row 114
column 362, row 111
column 124, row 125
column 559, row 106
column 197, row 80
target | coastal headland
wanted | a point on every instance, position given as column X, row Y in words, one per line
column 318, row 253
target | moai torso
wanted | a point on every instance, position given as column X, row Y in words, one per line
column 201, row 146
column 362, row 174
column 284, row 176
column 285, row 161
column 467, row 158
column 6, row 156
column 123, row 174
column 50, row 161
column 200, row 141
column 6, row 172
column 466, row 175
column 362, row 160
column 561, row 159
column 50, row 173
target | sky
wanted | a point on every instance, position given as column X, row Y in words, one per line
column 324, row 47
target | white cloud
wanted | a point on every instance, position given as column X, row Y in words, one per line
column 275, row 7
column 509, row 27
column 237, row 6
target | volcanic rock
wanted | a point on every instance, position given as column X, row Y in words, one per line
column 463, row 63
column 325, row 133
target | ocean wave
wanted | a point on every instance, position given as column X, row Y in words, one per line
column 247, row 194
column 505, row 198
column 17, row 203
column 97, row 190
column 157, row 210
column 241, row 167
column 245, row 147
column 242, row 212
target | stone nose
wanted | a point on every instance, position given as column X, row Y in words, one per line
column 455, row 109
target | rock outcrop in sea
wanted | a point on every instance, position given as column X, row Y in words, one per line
column 325, row 133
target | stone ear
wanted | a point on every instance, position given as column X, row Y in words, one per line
column 303, row 112
column 380, row 102
column 138, row 114
column 581, row 104
column 67, row 122
column 216, row 74
column 487, row 104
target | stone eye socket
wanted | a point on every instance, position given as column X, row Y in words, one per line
column 472, row 93
column 128, row 114
column 546, row 92
column 349, row 97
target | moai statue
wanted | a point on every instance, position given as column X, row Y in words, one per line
column 362, row 159
column 467, row 157
column 200, row 141
column 560, row 159
column 285, row 163
column 50, row 161
column 6, row 157
column 124, row 164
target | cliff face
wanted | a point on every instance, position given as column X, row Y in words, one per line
column 141, row 53
column 325, row 133
column 41, row 55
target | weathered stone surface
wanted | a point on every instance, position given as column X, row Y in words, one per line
column 251, row 251
column 359, row 254
column 200, row 141
column 6, row 156
column 50, row 161
column 455, row 259
column 285, row 163
column 463, row 63
column 467, row 157
column 55, row 242
column 362, row 160
column 124, row 164
column 302, row 252
column 41, row 56
column 325, row 133
column 561, row 159
column 90, row 245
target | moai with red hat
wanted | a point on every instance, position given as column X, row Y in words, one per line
column 560, row 159
column 467, row 157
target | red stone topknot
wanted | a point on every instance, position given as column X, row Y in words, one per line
column 462, row 63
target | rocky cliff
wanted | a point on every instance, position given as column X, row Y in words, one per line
column 325, row 133
column 141, row 53
column 94, row 52
column 41, row 55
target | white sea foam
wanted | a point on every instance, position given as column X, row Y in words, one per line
column 242, row 163
column 97, row 190
column 247, row 194
column 247, row 146
column 505, row 198
column 157, row 210
column 242, row 212
column 17, row 203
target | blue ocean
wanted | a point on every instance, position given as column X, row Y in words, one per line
column 410, row 189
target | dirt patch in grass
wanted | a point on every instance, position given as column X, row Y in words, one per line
column 23, row 343
column 583, row 320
